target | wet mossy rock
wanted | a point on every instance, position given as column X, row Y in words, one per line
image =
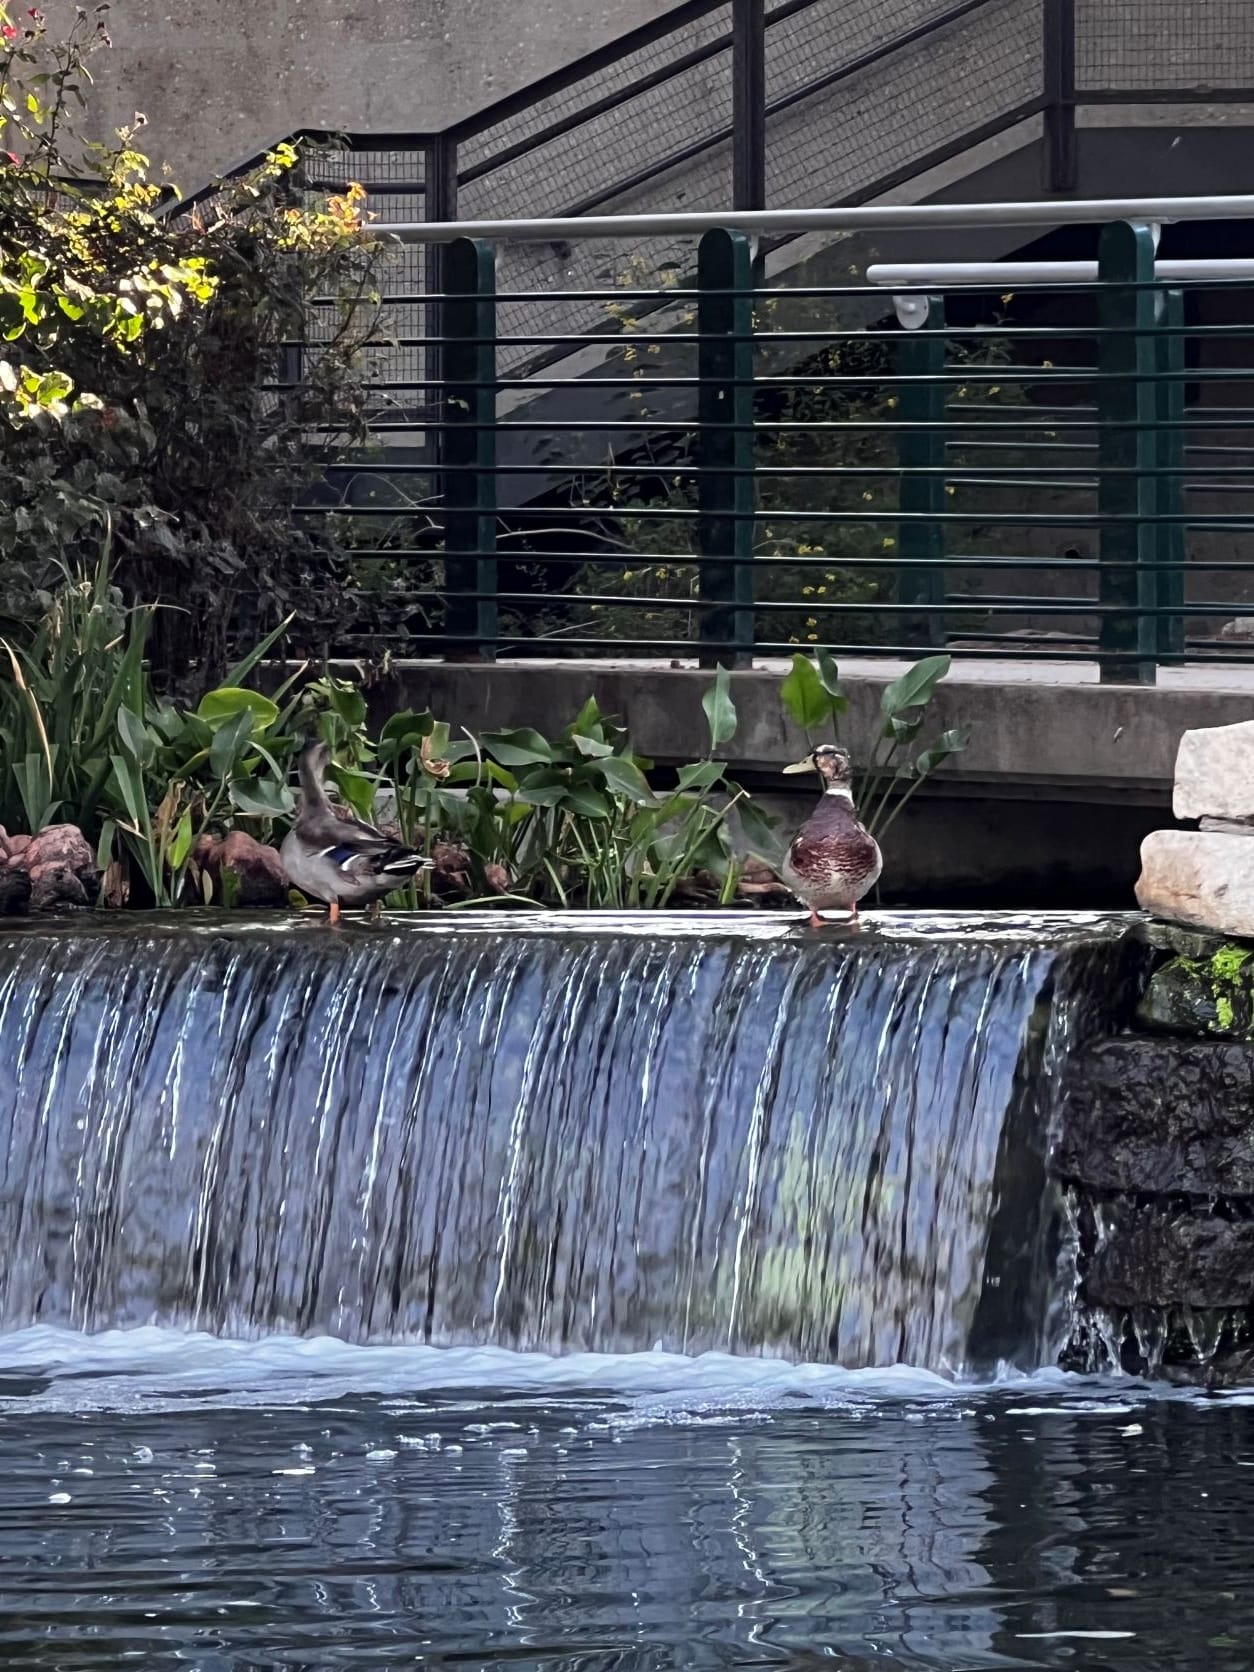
column 1205, row 992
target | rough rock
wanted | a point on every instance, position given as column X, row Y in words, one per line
column 59, row 865
column 10, row 846
column 758, row 881
column 14, row 892
column 1210, row 996
column 260, row 879
column 1174, row 937
column 451, row 876
column 1162, row 1117
column 1151, row 1256
column 1200, row 878
column 1215, row 773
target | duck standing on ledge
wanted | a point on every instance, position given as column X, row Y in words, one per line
column 340, row 861
column 834, row 860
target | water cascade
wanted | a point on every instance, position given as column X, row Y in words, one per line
column 693, row 1134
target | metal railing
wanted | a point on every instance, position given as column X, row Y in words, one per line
column 735, row 469
column 602, row 393
column 741, row 103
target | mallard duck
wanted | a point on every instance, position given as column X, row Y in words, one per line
column 834, row 860
column 338, row 860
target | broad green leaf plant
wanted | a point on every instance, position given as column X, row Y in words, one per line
column 901, row 759
column 572, row 820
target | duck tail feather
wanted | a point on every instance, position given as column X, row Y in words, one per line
column 404, row 862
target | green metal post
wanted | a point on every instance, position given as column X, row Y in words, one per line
column 1127, row 451
column 921, row 456
column 469, row 456
column 727, row 495
column 1172, row 551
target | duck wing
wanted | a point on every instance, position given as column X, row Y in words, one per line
column 322, row 827
column 381, row 858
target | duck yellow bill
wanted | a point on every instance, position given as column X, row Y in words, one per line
column 807, row 765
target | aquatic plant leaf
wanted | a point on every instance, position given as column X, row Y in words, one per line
column 720, row 710
column 217, row 707
column 914, row 688
column 523, row 747
column 803, row 695
column 626, row 779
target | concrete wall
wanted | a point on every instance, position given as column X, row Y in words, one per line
column 221, row 80
column 1047, row 807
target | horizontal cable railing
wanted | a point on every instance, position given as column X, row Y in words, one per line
column 617, row 489
column 1058, row 469
column 834, row 101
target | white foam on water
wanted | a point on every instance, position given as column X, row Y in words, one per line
column 170, row 1369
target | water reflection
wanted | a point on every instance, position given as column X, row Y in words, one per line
column 578, row 1535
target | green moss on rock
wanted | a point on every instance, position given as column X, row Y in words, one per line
column 1207, row 996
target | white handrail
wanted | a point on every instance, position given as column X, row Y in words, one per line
column 783, row 222
column 914, row 275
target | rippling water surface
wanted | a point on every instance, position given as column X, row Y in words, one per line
column 176, row 1501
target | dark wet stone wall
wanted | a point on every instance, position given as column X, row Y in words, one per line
column 1156, row 1156
column 1161, row 1117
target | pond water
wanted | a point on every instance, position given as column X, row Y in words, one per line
column 172, row 1500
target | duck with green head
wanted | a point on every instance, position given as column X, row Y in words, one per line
column 340, row 861
column 834, row 861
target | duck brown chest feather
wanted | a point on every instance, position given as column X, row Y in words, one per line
column 833, row 861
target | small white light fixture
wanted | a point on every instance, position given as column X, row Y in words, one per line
column 912, row 311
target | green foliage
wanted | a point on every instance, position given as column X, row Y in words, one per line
column 54, row 281
column 897, row 768
column 720, row 711
column 59, row 711
column 812, row 696
column 139, row 350
column 84, row 739
column 570, row 821
column 811, row 692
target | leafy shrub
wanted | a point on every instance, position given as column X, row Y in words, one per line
column 813, row 696
column 572, row 821
column 138, row 385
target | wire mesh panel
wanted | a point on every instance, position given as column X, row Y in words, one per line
column 860, row 96
column 608, row 143
column 1146, row 45
column 890, row 118
column 596, row 135
column 395, row 183
column 804, row 45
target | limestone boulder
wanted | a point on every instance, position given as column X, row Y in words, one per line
column 1201, row 878
column 60, row 866
column 1215, row 774
column 259, row 877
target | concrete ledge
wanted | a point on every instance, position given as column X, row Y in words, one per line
column 1032, row 724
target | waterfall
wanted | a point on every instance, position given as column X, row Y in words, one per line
column 696, row 1133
